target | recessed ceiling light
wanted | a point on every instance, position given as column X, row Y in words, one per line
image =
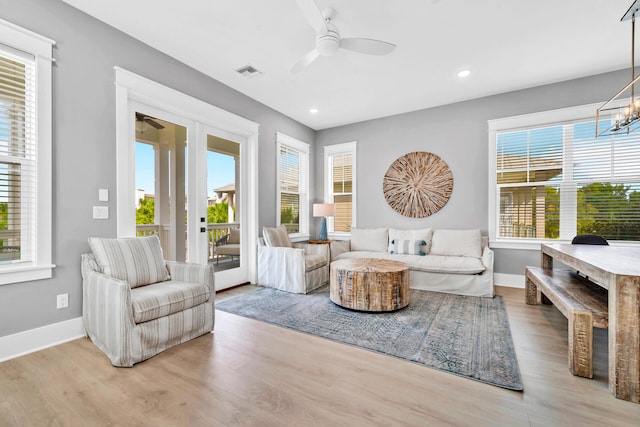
column 464, row 73
column 313, row 110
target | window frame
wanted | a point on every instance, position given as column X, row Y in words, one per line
column 558, row 117
column 329, row 152
column 303, row 148
column 41, row 267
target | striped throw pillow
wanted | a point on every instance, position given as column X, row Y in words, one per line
column 409, row 247
column 137, row 260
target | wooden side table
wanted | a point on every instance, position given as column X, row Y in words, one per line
column 369, row 284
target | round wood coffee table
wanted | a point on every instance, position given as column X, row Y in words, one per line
column 369, row 284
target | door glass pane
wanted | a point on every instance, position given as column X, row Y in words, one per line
column 161, row 198
column 223, row 160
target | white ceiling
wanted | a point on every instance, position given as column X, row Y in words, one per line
column 509, row 45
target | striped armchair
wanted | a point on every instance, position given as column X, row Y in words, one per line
column 136, row 305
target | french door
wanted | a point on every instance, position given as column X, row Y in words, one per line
column 188, row 172
column 224, row 179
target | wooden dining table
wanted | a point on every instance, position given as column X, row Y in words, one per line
column 617, row 269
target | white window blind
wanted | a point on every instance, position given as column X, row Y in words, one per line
column 293, row 183
column 556, row 181
column 290, row 189
column 342, row 191
column 17, row 156
column 340, row 186
column 25, row 154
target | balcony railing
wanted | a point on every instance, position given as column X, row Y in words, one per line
column 215, row 232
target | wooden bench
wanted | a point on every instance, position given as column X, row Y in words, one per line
column 581, row 301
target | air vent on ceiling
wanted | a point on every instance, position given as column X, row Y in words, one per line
column 249, row 71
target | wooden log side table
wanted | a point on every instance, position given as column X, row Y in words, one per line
column 369, row 284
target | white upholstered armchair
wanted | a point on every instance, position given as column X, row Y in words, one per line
column 291, row 267
column 136, row 305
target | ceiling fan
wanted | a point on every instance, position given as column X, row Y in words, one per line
column 328, row 40
column 143, row 118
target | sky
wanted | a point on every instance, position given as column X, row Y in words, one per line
column 220, row 169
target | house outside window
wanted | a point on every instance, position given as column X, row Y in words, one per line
column 25, row 155
column 293, row 186
column 340, row 188
column 553, row 179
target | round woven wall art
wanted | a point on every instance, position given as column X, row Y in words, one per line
column 418, row 184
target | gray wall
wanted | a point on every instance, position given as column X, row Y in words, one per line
column 84, row 149
column 458, row 133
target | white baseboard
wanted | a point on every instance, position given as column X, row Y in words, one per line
column 12, row 346
column 508, row 280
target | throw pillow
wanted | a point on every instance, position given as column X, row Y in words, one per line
column 276, row 236
column 457, row 243
column 414, row 234
column 369, row 239
column 136, row 260
column 409, row 247
column 337, row 248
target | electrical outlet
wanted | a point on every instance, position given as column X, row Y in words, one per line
column 62, row 301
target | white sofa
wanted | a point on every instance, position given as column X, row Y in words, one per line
column 452, row 261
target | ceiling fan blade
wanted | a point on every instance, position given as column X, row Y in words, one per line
column 312, row 13
column 368, row 46
column 305, row 61
column 153, row 123
column 148, row 119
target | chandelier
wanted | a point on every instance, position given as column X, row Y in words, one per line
column 621, row 114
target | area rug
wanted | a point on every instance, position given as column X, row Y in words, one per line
column 466, row 336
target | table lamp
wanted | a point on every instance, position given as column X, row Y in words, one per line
column 323, row 210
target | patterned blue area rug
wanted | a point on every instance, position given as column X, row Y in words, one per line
column 466, row 336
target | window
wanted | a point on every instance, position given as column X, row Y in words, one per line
column 340, row 172
column 293, row 186
column 554, row 179
column 25, row 155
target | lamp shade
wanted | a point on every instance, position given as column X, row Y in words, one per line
column 324, row 209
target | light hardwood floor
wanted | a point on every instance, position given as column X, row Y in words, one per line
column 249, row 373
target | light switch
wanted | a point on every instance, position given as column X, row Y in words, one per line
column 101, row 212
column 103, row 195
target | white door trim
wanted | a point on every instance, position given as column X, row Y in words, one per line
column 131, row 87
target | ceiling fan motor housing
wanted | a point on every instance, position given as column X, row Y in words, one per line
column 328, row 42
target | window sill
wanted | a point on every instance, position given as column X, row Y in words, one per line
column 16, row 274
column 535, row 244
column 520, row 244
